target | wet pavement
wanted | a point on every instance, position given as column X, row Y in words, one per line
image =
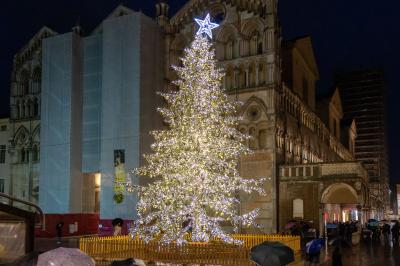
column 45, row 244
column 364, row 254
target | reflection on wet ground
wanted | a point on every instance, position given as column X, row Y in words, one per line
column 365, row 254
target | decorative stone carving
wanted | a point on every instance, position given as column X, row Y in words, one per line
column 253, row 113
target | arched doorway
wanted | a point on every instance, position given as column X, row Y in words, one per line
column 341, row 203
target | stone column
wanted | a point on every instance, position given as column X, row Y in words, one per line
column 257, row 73
column 247, row 81
column 236, row 78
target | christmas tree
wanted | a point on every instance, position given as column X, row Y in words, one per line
column 195, row 160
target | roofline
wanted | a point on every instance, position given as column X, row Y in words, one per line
column 42, row 29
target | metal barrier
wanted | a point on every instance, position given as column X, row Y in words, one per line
column 38, row 209
column 215, row 252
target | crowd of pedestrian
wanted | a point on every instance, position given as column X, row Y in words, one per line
column 390, row 231
column 346, row 230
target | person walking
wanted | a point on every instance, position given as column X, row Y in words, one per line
column 59, row 227
column 337, row 257
column 395, row 233
column 386, row 232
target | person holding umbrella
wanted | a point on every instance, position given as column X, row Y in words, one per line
column 386, row 231
column 270, row 253
column 313, row 250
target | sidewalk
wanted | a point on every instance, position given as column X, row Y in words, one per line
column 45, row 244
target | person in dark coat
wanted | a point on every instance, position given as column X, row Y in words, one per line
column 395, row 233
column 59, row 227
column 337, row 257
column 386, row 232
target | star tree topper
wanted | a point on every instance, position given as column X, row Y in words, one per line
column 206, row 26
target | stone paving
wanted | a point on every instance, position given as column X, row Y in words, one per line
column 364, row 254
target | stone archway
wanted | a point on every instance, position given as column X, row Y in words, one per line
column 341, row 202
column 340, row 193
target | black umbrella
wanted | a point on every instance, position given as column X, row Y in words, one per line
column 272, row 254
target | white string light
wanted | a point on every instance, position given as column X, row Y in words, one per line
column 195, row 161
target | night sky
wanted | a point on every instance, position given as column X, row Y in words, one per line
column 346, row 34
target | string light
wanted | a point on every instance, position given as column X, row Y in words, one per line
column 195, row 161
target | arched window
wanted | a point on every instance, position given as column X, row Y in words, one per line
column 261, row 74
column 253, row 138
column 244, row 47
column 35, row 154
column 254, row 43
column 36, row 107
column 270, row 73
column 17, row 111
column 27, row 108
column 22, row 115
column 260, row 46
column 235, row 49
column 262, row 139
column 252, row 76
column 270, row 39
column 36, row 80
column 30, row 108
column 298, row 208
column 23, row 155
column 242, row 78
column 24, row 82
column 228, row 50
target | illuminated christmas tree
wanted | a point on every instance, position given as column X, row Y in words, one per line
column 195, row 160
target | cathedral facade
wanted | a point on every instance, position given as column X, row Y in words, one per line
column 299, row 144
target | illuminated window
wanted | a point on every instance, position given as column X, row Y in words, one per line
column 298, row 208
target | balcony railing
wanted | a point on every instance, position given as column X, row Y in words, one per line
column 323, row 170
